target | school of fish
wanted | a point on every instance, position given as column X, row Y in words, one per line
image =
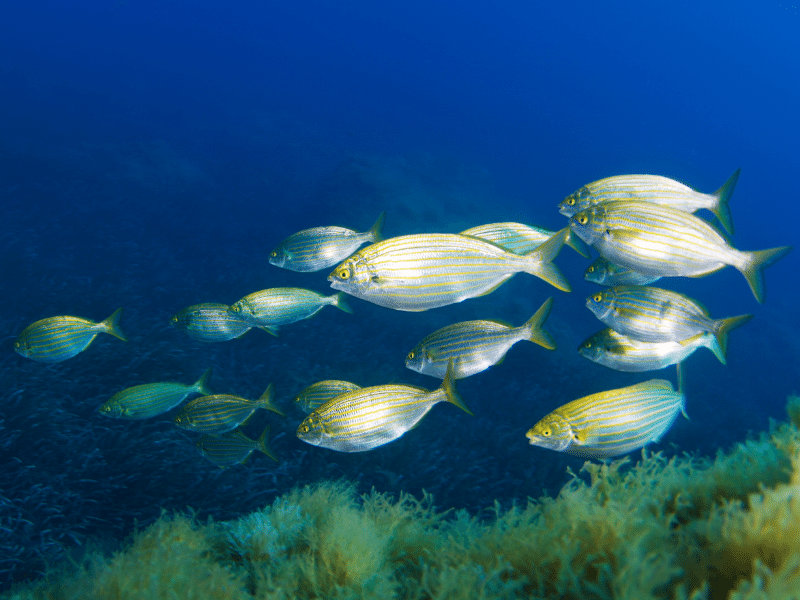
column 642, row 226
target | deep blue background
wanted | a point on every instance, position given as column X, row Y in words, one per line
column 152, row 153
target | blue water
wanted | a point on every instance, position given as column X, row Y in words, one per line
column 152, row 153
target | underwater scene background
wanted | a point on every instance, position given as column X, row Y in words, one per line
column 153, row 153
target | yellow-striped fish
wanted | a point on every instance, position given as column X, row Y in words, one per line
column 269, row 309
column 654, row 189
column 474, row 346
column 322, row 247
column 151, row 399
column 233, row 448
column 210, row 322
column 422, row 271
column 651, row 314
column 319, row 393
column 622, row 353
column 55, row 339
column 522, row 239
column 663, row 241
column 605, row 272
column 611, row 423
column 222, row 412
column 373, row 416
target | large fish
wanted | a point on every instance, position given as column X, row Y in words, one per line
column 654, row 189
column 422, row 271
column 210, row 322
column 322, row 247
column 611, row 423
column 269, row 309
column 55, row 339
column 151, row 399
column 474, row 346
column 520, row 238
column 373, row 416
column 666, row 242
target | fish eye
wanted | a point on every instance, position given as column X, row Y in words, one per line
column 16, row 344
column 546, row 432
column 236, row 308
column 571, row 201
column 303, row 428
column 273, row 254
column 597, row 297
column 344, row 273
column 582, row 220
column 590, row 269
column 411, row 355
column 174, row 319
column 587, row 344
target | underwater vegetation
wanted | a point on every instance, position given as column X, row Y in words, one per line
column 680, row 527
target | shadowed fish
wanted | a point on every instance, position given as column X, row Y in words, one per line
column 522, row 239
column 233, row 448
column 210, row 322
column 269, row 309
column 319, row 393
column 605, row 272
column 55, row 339
column 222, row 412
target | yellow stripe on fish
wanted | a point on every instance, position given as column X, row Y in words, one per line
column 55, row 339
column 423, row 271
column 610, row 423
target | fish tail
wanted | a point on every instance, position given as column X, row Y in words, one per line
column 201, row 385
column 541, row 261
column 756, row 262
column 533, row 326
column 375, row 233
column 723, row 326
column 449, row 388
column 265, row 401
column 262, row 443
column 111, row 325
column 340, row 302
column 577, row 244
column 721, row 209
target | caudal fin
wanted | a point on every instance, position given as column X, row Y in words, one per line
column 721, row 210
column 449, row 388
column 577, row 244
column 541, row 261
column 111, row 325
column 265, row 401
column 723, row 326
column 375, row 233
column 758, row 261
column 201, row 385
column 536, row 334
column 340, row 302
column 262, row 443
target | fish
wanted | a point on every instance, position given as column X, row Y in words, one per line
column 222, row 412
column 622, row 353
column 270, row 309
column 605, row 272
column 151, row 399
column 210, row 322
column 423, row 271
column 659, row 240
column 233, row 448
column 522, row 239
column 322, row 247
column 319, row 393
column 54, row 339
column 654, row 189
column 373, row 416
column 651, row 314
column 613, row 422
column 474, row 346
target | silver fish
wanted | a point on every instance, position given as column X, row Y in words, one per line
column 319, row 393
column 520, row 238
column 55, row 339
column 233, row 448
column 622, row 353
column 659, row 240
column 423, row 271
column 611, row 423
column 210, row 322
column 474, row 346
column 222, row 412
column 322, row 247
column 654, row 189
column 373, row 416
column 605, row 272
column 151, row 399
column 269, row 309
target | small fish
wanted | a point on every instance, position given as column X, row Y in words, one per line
column 659, row 240
column 210, row 322
column 322, row 247
column 605, row 272
column 319, row 393
column 522, row 239
column 373, row 416
column 474, row 346
column 611, row 423
column 423, row 271
column 55, row 339
column 654, row 189
column 651, row 314
column 269, row 309
column 233, row 448
column 622, row 353
column 222, row 412
column 151, row 399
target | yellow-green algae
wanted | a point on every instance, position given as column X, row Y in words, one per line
column 678, row 528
